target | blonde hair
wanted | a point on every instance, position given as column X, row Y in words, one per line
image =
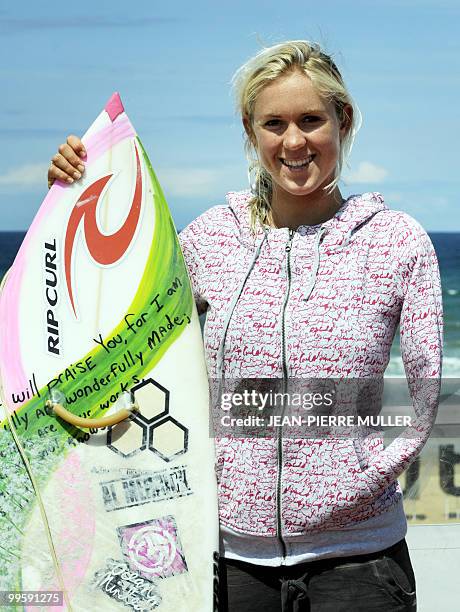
column 262, row 69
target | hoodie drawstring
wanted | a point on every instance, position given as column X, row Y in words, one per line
column 345, row 242
column 231, row 308
column 311, row 284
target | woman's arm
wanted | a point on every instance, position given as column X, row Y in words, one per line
column 421, row 332
column 190, row 249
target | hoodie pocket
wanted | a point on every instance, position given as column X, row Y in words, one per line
column 324, row 484
column 246, row 474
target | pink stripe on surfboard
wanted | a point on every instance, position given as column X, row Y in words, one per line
column 100, row 142
column 13, row 373
column 74, row 539
column 114, row 106
column 12, row 367
column 13, row 376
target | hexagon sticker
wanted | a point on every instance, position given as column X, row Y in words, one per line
column 127, row 438
column 152, row 399
column 168, row 438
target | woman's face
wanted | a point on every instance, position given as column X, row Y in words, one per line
column 297, row 135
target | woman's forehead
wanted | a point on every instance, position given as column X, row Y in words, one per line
column 291, row 93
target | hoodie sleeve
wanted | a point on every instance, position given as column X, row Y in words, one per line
column 189, row 239
column 421, row 329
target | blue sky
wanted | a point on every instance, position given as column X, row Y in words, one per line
column 172, row 63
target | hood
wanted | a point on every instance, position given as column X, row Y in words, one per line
column 354, row 212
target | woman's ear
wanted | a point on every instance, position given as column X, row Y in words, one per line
column 249, row 131
column 347, row 119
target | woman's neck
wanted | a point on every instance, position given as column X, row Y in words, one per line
column 291, row 211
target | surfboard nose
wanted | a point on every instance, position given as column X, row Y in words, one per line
column 114, row 106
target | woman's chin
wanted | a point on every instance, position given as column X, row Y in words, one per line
column 300, row 189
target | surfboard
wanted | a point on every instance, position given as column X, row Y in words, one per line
column 97, row 316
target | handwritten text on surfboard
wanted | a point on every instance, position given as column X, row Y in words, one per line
column 104, row 249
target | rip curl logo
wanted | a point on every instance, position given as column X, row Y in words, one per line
column 105, row 249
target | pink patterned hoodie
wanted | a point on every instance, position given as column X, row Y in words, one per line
column 324, row 301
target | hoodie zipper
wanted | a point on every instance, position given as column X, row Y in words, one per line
column 285, row 385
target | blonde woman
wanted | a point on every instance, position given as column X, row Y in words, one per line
column 301, row 282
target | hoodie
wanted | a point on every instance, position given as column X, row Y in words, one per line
column 321, row 302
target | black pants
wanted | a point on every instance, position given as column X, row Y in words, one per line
column 380, row 582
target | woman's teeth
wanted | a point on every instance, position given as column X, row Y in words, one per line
column 298, row 163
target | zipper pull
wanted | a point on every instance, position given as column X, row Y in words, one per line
column 289, row 242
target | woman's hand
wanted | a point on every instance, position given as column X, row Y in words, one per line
column 67, row 164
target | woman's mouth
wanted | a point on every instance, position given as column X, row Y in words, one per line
column 297, row 164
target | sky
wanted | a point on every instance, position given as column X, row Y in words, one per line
column 172, row 64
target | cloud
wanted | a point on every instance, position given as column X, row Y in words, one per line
column 367, row 172
column 176, row 182
column 29, row 175
column 196, row 182
column 440, row 201
column 394, row 197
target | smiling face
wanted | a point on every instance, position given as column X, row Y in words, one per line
column 297, row 136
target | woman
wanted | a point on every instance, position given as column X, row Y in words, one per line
column 298, row 282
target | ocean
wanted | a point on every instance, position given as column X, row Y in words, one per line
column 447, row 246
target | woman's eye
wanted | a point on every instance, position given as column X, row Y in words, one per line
column 273, row 123
column 311, row 119
column 277, row 123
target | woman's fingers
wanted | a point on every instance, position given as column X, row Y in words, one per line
column 77, row 146
column 55, row 173
column 68, row 156
column 61, row 162
column 67, row 165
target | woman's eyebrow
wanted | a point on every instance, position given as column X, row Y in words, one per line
column 305, row 112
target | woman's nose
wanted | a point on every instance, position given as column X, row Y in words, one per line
column 294, row 138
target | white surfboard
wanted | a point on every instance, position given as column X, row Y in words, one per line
column 96, row 310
